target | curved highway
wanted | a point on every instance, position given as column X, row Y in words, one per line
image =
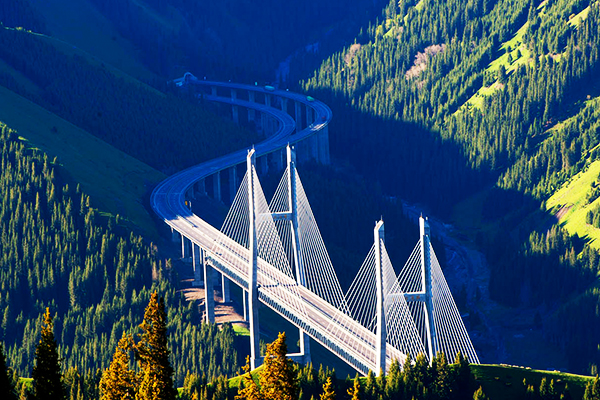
column 322, row 321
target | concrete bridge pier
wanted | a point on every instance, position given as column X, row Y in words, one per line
column 217, row 185
column 174, row 235
column 233, row 95
column 186, row 245
column 323, row 146
column 263, row 124
column 233, row 182
column 251, row 111
column 209, row 293
column 197, row 261
column 264, row 164
column 284, row 105
column 298, row 116
column 277, row 159
column 200, row 187
column 309, row 116
column 213, row 90
column 225, row 289
column 245, row 304
column 235, row 113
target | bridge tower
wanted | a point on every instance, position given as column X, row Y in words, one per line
column 296, row 242
column 255, row 360
column 427, row 285
column 381, row 334
column 425, row 295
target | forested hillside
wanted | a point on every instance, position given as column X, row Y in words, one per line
column 160, row 129
column 96, row 277
column 451, row 99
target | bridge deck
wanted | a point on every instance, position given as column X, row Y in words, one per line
column 322, row 321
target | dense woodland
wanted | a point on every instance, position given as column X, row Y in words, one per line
column 58, row 252
column 400, row 92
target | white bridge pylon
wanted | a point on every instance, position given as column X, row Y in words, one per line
column 382, row 317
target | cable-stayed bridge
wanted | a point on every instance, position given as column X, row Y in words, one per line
column 274, row 251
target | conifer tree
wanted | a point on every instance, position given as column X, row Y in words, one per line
column 479, row 395
column 6, row 382
column 328, row 392
column 156, row 374
column 248, row 389
column 118, row 380
column 47, row 377
column 278, row 380
column 355, row 390
column 592, row 390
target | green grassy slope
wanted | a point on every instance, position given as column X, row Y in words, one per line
column 115, row 181
column 80, row 24
column 501, row 382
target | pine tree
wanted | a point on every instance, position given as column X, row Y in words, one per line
column 355, row 391
column 156, row 374
column 328, row 392
column 592, row 390
column 118, row 380
column 47, row 377
column 6, row 382
column 463, row 375
column 278, row 380
column 248, row 389
column 479, row 395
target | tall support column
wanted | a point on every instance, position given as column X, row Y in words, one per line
column 201, row 187
column 209, row 291
column 426, row 282
column 185, row 247
column 284, row 105
column 309, row 116
column 174, row 235
column 233, row 182
column 233, row 94
column 324, row 146
column 235, row 114
column 268, row 100
column 197, row 262
column 213, row 90
column 252, row 266
column 225, row 289
column 251, row 111
column 298, row 117
column 217, row 185
column 264, row 164
column 381, row 334
column 245, row 304
column 296, row 242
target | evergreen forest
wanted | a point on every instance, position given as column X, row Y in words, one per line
column 482, row 113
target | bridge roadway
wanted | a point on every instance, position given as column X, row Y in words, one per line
column 319, row 319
